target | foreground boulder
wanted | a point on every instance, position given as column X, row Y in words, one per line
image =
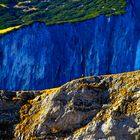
column 105, row 107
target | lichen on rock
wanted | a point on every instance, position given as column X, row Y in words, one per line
column 87, row 108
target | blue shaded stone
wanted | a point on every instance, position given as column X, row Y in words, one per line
column 40, row 57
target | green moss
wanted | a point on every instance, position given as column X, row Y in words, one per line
column 21, row 12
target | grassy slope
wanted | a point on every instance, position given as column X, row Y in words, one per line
column 21, row 12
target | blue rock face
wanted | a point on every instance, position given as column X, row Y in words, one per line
column 40, row 57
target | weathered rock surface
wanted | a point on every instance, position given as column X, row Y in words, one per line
column 54, row 55
column 92, row 108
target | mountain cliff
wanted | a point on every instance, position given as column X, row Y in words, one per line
column 39, row 56
column 92, row 108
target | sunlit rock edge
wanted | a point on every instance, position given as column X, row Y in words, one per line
column 88, row 108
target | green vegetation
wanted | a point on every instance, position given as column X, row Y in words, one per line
column 21, row 12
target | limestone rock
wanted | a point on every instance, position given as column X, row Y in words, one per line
column 91, row 108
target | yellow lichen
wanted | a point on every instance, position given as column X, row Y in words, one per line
column 3, row 5
column 120, row 102
column 3, row 31
column 54, row 130
column 30, row 9
column 16, row 98
column 49, row 91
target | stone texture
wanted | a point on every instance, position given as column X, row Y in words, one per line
column 91, row 108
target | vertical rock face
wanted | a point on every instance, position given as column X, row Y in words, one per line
column 38, row 57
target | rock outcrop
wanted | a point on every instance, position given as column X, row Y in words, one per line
column 54, row 55
column 104, row 107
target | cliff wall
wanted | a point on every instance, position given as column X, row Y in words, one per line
column 39, row 57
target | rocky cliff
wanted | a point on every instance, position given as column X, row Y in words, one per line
column 56, row 54
column 92, row 108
